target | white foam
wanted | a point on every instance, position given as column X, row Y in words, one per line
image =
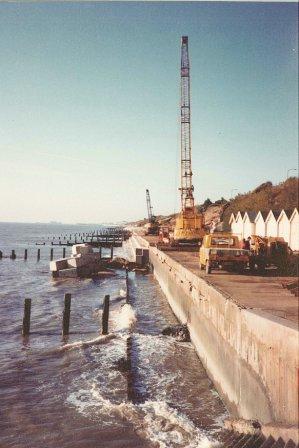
column 122, row 292
column 153, row 420
column 167, row 427
column 126, row 317
column 96, row 341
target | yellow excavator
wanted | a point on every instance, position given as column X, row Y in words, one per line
column 189, row 226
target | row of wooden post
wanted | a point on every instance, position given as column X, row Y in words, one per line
column 13, row 255
column 67, row 312
column 65, row 316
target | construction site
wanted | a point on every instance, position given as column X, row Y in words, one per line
column 236, row 289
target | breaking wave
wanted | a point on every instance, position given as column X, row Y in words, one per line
column 126, row 317
column 152, row 420
column 122, row 292
column 96, row 341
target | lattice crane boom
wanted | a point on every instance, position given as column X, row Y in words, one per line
column 151, row 217
column 187, row 188
column 189, row 226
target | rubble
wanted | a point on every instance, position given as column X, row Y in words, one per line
column 83, row 263
column 180, row 332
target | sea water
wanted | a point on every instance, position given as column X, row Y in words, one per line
column 72, row 392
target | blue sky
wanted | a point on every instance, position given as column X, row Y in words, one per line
column 89, row 104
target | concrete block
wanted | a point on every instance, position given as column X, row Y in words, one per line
column 76, row 262
column 95, row 256
column 57, row 265
column 82, row 249
column 70, row 272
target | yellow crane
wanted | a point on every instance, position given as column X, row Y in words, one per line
column 189, row 226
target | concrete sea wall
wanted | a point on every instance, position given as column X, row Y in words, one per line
column 251, row 356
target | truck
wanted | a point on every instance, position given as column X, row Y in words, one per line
column 269, row 251
column 222, row 250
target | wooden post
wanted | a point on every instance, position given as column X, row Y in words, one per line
column 66, row 314
column 13, row 255
column 100, row 252
column 26, row 318
column 63, row 252
column 1, row 255
column 105, row 315
column 38, row 254
column 25, row 254
column 111, row 252
column 51, row 254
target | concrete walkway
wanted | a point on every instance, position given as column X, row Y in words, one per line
column 264, row 293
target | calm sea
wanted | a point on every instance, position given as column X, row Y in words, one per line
column 62, row 393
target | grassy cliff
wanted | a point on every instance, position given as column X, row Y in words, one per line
column 265, row 197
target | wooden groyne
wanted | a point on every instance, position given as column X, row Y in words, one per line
column 105, row 238
column 113, row 236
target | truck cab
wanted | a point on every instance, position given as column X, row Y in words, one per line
column 220, row 250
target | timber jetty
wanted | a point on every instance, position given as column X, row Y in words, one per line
column 107, row 237
column 245, row 331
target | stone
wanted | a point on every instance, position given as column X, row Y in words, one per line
column 76, row 262
column 180, row 332
column 82, row 249
column 70, row 273
column 57, row 265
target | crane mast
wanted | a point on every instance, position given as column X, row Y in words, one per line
column 151, row 217
column 189, row 227
column 153, row 225
column 187, row 188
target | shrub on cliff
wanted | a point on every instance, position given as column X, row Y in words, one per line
column 265, row 197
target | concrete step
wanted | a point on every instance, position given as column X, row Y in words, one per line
column 279, row 444
column 291, row 444
column 268, row 443
column 236, row 440
column 255, row 442
column 241, row 442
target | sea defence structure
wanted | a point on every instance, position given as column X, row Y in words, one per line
column 245, row 331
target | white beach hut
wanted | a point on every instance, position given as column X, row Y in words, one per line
column 249, row 224
column 271, row 223
column 283, row 225
column 260, row 225
column 232, row 223
column 294, row 230
column 239, row 225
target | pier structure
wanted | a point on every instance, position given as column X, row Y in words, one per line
column 245, row 331
column 107, row 237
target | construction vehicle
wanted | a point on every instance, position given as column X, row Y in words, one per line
column 222, row 250
column 268, row 251
column 152, row 227
column 164, row 235
column 189, row 226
